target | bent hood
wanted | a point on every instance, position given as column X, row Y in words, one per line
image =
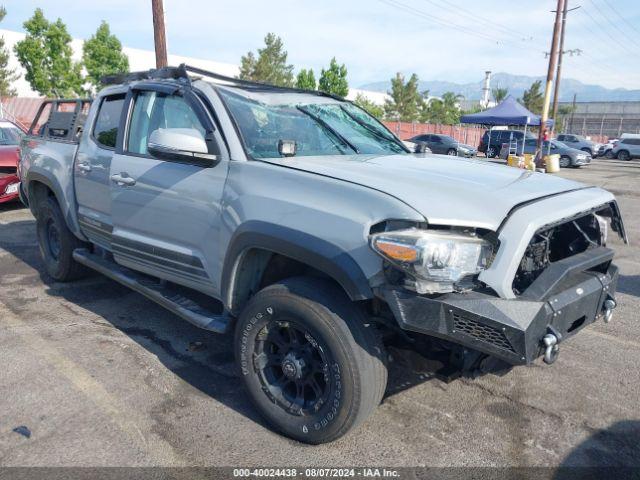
column 445, row 190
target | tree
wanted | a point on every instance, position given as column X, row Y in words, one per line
column 306, row 80
column 7, row 75
column 371, row 107
column 499, row 94
column 102, row 55
column 533, row 98
column 405, row 101
column 444, row 110
column 270, row 66
column 334, row 79
column 45, row 54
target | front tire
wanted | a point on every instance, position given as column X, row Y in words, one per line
column 565, row 161
column 452, row 152
column 312, row 364
column 57, row 242
column 492, row 152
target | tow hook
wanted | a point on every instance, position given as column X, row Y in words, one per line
column 551, row 349
column 608, row 306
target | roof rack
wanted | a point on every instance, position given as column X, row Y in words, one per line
column 182, row 72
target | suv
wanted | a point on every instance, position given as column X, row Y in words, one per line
column 498, row 138
column 579, row 143
column 627, row 148
column 298, row 220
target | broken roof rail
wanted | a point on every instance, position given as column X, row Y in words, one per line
column 254, row 84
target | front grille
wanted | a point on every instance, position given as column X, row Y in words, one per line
column 554, row 243
column 481, row 332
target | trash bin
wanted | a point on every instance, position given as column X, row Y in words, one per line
column 552, row 163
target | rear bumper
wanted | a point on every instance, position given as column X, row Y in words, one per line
column 564, row 299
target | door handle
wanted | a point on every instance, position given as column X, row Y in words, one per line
column 123, row 179
column 85, row 167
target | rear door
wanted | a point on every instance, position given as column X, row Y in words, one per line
column 167, row 214
column 91, row 170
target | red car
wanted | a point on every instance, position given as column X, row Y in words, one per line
column 10, row 136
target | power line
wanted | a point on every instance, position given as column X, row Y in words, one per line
column 476, row 18
column 446, row 23
column 623, row 45
column 613, row 9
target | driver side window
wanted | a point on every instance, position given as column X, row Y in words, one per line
column 154, row 110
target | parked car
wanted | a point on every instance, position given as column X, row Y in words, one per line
column 579, row 143
column 10, row 136
column 498, row 138
column 444, row 144
column 569, row 157
column 627, row 148
column 317, row 235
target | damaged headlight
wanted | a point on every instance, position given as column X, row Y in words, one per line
column 436, row 259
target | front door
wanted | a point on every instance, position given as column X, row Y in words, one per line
column 91, row 170
column 167, row 214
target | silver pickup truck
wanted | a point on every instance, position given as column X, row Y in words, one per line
column 303, row 223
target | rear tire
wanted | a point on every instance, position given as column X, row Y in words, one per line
column 312, row 364
column 624, row 155
column 57, row 243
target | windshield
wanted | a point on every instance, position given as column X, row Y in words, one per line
column 318, row 125
column 10, row 136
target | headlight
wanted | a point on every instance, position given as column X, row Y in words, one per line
column 436, row 259
column 581, row 157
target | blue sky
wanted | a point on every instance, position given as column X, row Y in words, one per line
column 455, row 40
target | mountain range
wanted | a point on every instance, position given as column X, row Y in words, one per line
column 517, row 84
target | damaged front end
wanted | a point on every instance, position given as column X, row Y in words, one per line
column 564, row 281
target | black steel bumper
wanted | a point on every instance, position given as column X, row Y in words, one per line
column 565, row 298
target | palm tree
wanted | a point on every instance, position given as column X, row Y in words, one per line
column 499, row 94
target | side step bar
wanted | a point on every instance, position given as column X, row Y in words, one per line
column 173, row 301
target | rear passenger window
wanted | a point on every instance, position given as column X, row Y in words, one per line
column 105, row 130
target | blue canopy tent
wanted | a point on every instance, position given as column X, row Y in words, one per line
column 508, row 112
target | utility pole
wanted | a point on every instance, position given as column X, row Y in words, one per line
column 561, row 52
column 159, row 36
column 556, row 88
column 553, row 60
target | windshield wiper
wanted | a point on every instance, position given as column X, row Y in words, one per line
column 329, row 128
column 377, row 133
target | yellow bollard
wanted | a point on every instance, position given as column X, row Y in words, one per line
column 552, row 163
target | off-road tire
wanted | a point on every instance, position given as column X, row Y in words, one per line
column 57, row 243
column 354, row 376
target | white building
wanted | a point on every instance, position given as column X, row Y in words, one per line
column 144, row 60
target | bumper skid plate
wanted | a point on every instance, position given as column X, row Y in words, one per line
column 567, row 296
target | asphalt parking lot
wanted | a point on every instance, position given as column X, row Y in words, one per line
column 101, row 376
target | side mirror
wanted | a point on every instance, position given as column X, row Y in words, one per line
column 182, row 145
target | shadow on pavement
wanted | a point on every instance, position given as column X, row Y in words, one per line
column 629, row 284
column 613, row 452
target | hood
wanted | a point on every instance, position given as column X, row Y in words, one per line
column 9, row 155
column 445, row 190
